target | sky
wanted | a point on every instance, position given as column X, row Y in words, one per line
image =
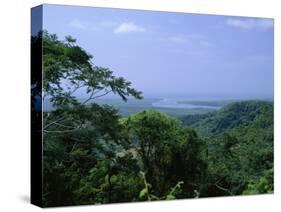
column 168, row 54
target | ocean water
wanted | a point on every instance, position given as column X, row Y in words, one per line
column 178, row 103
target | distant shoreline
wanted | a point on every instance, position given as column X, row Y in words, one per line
column 177, row 107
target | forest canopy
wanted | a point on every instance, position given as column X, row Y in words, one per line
column 92, row 155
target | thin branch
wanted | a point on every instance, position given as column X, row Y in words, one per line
column 102, row 94
column 62, row 125
column 50, row 124
column 223, row 189
column 94, row 97
column 61, row 131
column 146, row 185
column 91, row 96
column 73, row 147
column 75, row 89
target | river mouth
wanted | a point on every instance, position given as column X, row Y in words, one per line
column 176, row 103
column 161, row 103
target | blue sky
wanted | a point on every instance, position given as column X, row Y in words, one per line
column 174, row 54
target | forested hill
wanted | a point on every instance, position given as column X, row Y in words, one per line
column 233, row 115
column 239, row 139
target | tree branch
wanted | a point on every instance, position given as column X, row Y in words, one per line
column 50, row 124
column 62, row 125
column 62, row 131
column 94, row 97
column 223, row 189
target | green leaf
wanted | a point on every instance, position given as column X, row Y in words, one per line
column 143, row 193
column 170, row 197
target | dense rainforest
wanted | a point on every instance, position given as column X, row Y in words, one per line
column 92, row 155
column 239, row 139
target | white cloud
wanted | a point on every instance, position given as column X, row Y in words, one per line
column 128, row 27
column 178, row 39
column 79, row 24
column 250, row 23
column 195, row 40
column 125, row 27
column 266, row 24
column 83, row 25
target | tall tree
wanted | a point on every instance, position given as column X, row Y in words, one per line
column 68, row 70
column 77, row 133
column 169, row 152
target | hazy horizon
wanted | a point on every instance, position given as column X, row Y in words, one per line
column 177, row 55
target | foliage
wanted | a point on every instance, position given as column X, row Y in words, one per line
column 240, row 148
column 68, row 68
column 231, row 116
column 92, row 155
column 145, row 192
column 78, row 135
column 169, row 151
column 262, row 185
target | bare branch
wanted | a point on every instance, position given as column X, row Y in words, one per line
column 62, row 131
column 50, row 124
column 94, row 97
column 62, row 125
column 75, row 89
column 102, row 94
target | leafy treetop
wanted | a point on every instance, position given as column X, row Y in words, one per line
column 68, row 68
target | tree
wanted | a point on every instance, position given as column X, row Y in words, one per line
column 78, row 133
column 169, row 152
column 68, row 69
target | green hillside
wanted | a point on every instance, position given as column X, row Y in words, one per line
column 233, row 115
column 240, row 147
